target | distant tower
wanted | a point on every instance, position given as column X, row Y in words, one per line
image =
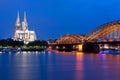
column 24, row 23
column 17, row 25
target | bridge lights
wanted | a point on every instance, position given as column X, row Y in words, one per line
column 50, row 47
column 80, row 47
column 63, row 47
column 57, row 47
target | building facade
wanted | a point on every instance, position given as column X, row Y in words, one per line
column 21, row 32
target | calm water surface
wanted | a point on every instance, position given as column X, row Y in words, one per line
column 59, row 66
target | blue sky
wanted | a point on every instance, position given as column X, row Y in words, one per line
column 54, row 18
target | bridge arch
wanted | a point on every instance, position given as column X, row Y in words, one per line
column 71, row 38
column 106, row 30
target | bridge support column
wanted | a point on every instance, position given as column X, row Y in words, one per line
column 91, row 48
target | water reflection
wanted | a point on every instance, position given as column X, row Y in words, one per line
column 110, row 52
column 79, row 71
column 59, row 66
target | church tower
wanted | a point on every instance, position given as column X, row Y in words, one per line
column 17, row 25
column 24, row 23
column 22, row 33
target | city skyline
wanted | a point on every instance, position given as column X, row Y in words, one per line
column 52, row 19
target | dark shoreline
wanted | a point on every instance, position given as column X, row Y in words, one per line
column 1, row 49
column 33, row 49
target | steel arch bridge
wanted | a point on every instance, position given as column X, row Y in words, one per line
column 107, row 31
column 71, row 38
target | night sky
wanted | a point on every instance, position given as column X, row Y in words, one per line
column 54, row 18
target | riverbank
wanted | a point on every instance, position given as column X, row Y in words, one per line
column 33, row 49
column 21, row 49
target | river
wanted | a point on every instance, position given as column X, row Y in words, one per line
column 59, row 66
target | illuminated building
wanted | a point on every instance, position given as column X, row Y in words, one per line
column 21, row 33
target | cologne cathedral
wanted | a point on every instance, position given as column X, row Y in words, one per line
column 21, row 32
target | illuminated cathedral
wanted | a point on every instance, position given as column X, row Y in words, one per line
column 21, row 32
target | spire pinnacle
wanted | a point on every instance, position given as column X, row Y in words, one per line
column 25, row 20
column 18, row 18
column 17, row 25
column 24, row 23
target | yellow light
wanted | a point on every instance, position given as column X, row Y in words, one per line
column 57, row 47
column 63, row 47
column 80, row 47
column 79, row 53
column 50, row 47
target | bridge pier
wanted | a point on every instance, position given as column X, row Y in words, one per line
column 86, row 47
column 64, row 47
column 91, row 48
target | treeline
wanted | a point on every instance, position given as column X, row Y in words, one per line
column 38, row 43
column 10, row 43
column 20, row 44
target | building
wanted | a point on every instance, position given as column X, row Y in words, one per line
column 21, row 32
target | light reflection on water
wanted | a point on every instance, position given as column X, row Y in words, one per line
column 79, row 66
column 59, row 66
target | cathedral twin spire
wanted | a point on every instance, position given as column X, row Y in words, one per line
column 21, row 32
column 24, row 23
column 17, row 25
column 18, row 18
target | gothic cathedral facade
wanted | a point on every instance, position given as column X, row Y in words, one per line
column 22, row 33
